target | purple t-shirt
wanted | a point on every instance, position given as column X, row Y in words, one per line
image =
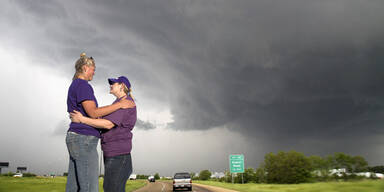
column 79, row 91
column 118, row 140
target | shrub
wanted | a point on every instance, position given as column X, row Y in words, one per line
column 287, row 167
column 204, row 175
column 9, row 174
column 29, row 175
column 157, row 176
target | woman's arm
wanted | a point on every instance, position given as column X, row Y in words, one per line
column 96, row 112
column 77, row 117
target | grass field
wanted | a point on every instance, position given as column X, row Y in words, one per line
column 42, row 184
column 357, row 186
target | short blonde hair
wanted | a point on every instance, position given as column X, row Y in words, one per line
column 83, row 60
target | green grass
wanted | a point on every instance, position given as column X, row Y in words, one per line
column 356, row 186
column 57, row 184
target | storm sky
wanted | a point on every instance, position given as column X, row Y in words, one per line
column 210, row 78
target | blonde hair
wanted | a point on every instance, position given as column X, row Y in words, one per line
column 127, row 90
column 83, row 60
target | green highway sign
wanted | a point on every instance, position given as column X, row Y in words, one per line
column 236, row 163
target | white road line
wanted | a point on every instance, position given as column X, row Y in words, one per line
column 162, row 189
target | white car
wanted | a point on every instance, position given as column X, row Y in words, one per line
column 181, row 181
column 18, row 175
column 132, row 177
column 151, row 178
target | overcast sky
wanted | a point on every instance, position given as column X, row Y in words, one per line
column 211, row 78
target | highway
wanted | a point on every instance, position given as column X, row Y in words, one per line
column 166, row 186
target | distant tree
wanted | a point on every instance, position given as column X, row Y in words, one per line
column 359, row 164
column 320, row 167
column 227, row 177
column 249, row 175
column 342, row 160
column 194, row 176
column 376, row 169
column 205, row 175
column 260, row 175
column 142, row 176
column 287, row 167
column 319, row 163
column 237, row 177
column 246, row 177
column 351, row 164
column 157, row 176
column 65, row 174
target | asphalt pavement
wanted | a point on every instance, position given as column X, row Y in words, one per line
column 166, row 186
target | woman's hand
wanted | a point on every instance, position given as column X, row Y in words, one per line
column 125, row 104
column 76, row 116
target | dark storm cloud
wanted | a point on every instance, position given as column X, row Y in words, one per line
column 271, row 70
column 294, row 69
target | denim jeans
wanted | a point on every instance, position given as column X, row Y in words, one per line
column 83, row 170
column 117, row 171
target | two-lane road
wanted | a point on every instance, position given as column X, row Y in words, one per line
column 166, row 186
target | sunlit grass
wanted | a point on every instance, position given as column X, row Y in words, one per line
column 355, row 186
column 57, row 184
column 39, row 184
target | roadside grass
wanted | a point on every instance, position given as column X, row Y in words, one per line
column 351, row 186
column 57, row 184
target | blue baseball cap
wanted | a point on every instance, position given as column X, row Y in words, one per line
column 120, row 79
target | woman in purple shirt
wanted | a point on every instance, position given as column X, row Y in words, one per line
column 82, row 139
column 116, row 137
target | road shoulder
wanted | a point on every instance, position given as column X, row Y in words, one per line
column 214, row 188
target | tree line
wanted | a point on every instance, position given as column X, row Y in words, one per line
column 294, row 167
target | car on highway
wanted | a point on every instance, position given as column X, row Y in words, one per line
column 151, row 178
column 18, row 175
column 181, row 181
column 132, row 177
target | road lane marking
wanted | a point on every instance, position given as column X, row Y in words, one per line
column 162, row 189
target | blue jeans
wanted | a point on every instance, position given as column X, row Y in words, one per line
column 117, row 171
column 83, row 170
